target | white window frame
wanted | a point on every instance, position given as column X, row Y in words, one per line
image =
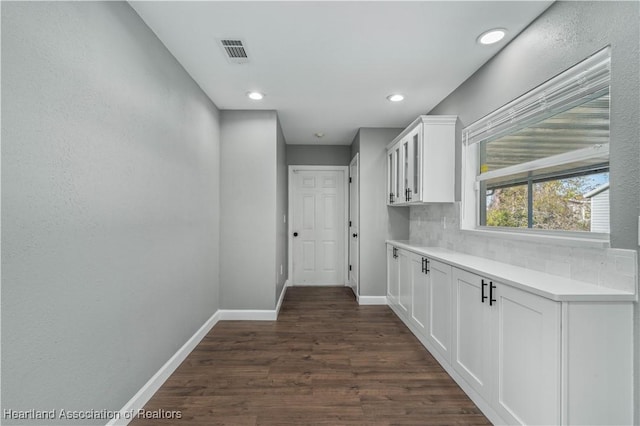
column 586, row 80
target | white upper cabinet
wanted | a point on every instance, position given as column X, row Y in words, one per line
column 421, row 162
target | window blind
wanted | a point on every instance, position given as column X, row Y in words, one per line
column 588, row 79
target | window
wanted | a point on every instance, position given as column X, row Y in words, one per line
column 535, row 163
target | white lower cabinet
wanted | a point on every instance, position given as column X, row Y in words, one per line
column 472, row 329
column 521, row 357
column 393, row 277
column 404, row 281
column 419, row 289
column 527, row 345
column 439, row 293
column 507, row 347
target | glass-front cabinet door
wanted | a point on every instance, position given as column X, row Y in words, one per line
column 391, row 177
column 395, row 175
column 411, row 165
column 399, row 174
column 406, row 167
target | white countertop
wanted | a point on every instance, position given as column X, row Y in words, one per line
column 552, row 287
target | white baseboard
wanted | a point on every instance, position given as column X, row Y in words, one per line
column 248, row 314
column 138, row 401
column 287, row 284
column 372, row 300
column 254, row 314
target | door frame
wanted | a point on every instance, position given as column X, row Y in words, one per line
column 356, row 185
column 345, row 171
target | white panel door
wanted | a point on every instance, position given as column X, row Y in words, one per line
column 318, row 225
column 354, row 225
column 528, row 358
column 472, row 346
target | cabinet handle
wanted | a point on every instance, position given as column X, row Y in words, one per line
column 491, row 299
column 483, row 296
column 391, row 198
column 426, row 266
column 408, row 194
column 422, row 265
column 395, row 253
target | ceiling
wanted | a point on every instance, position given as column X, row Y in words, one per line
column 328, row 66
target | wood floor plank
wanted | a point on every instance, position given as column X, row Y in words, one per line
column 326, row 360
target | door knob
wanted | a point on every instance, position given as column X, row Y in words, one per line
column 295, row 234
column 355, row 235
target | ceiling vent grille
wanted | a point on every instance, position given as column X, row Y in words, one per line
column 235, row 50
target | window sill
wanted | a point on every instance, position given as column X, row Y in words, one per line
column 558, row 240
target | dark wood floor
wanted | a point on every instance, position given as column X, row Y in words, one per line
column 326, row 360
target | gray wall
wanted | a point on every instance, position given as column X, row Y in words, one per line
column 319, row 155
column 355, row 145
column 110, row 205
column 564, row 35
column 282, row 196
column 248, row 183
column 377, row 221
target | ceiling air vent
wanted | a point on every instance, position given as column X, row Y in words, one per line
column 235, row 50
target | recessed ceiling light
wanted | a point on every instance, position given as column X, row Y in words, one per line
column 492, row 36
column 256, row 96
column 395, row 97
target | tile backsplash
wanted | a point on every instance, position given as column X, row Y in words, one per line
column 439, row 225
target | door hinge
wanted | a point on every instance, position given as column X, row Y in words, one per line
column 349, row 223
column 349, row 267
column 349, row 179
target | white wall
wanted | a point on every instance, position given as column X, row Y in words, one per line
column 248, row 189
column 110, row 205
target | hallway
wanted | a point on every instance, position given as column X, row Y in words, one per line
column 326, row 360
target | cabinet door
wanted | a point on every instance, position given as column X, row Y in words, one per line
column 392, row 275
column 414, row 150
column 399, row 174
column 439, row 307
column 438, row 158
column 419, row 288
column 391, row 177
column 528, row 357
column 404, row 292
column 471, row 346
column 407, row 171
